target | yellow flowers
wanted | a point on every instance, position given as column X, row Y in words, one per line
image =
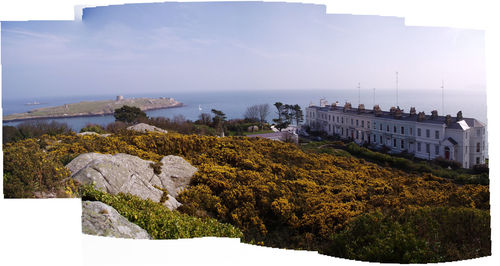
column 274, row 192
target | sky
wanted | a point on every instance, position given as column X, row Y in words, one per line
column 165, row 47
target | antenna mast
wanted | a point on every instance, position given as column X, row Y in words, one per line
column 373, row 96
column 397, row 88
column 442, row 96
column 359, row 93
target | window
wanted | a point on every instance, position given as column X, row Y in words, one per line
column 427, row 133
column 477, row 160
column 352, row 121
column 478, row 132
column 357, row 122
column 466, row 149
column 374, row 125
column 436, row 149
column 374, row 138
column 362, row 123
column 387, row 128
column 419, row 132
column 419, row 146
column 394, row 143
column 357, row 134
column 427, row 148
column 342, row 131
column 333, row 118
column 380, row 126
column 368, row 124
column 411, row 131
column 402, row 130
column 342, row 120
column 437, row 134
column 478, row 147
column 362, row 136
column 338, row 119
column 381, row 140
column 395, row 130
column 329, row 127
column 402, row 144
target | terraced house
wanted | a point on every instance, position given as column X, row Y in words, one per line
column 426, row 136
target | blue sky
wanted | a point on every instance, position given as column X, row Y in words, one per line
column 232, row 46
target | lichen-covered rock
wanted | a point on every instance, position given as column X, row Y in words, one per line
column 130, row 174
column 176, row 173
column 141, row 127
column 103, row 220
column 87, row 133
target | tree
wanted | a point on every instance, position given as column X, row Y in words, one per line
column 279, row 107
column 252, row 113
column 218, row 120
column 298, row 115
column 129, row 114
column 204, row 119
column 263, row 112
column 283, row 119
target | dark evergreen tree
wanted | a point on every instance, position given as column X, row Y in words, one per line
column 129, row 114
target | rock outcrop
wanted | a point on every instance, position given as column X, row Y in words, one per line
column 86, row 133
column 103, row 220
column 176, row 173
column 131, row 174
column 141, row 127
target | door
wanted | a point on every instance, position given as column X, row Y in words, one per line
column 447, row 153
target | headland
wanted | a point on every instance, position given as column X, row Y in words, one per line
column 93, row 108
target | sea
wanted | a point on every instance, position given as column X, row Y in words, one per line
column 472, row 103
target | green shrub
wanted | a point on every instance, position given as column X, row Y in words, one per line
column 158, row 220
column 415, row 236
column 93, row 128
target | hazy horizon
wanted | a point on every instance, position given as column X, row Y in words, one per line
column 241, row 46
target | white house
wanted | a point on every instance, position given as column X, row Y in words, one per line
column 427, row 136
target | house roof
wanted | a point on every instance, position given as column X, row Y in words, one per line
column 461, row 124
column 454, row 142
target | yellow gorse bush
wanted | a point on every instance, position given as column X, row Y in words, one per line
column 273, row 191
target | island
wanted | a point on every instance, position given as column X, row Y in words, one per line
column 94, row 108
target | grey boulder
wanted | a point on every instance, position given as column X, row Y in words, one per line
column 142, row 127
column 130, row 174
column 103, row 220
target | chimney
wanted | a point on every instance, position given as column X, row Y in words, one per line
column 361, row 108
column 460, row 116
column 334, row 106
column 377, row 110
column 421, row 116
column 347, row 106
column 413, row 111
column 398, row 113
column 434, row 114
column 447, row 120
column 392, row 110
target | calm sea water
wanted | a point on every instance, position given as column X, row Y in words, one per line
column 234, row 103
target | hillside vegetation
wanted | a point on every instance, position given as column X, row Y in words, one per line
column 281, row 196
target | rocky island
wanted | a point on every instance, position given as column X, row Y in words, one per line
column 94, row 108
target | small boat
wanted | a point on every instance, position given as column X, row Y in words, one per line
column 199, row 107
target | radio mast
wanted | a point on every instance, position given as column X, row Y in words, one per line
column 373, row 96
column 359, row 93
column 397, row 88
column 442, row 96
